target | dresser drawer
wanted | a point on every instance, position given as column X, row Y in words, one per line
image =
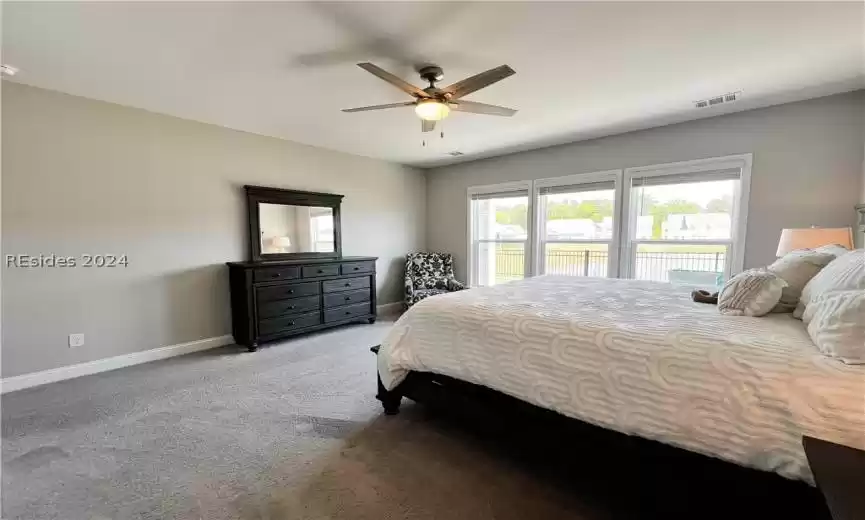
column 357, row 267
column 312, row 271
column 272, row 274
column 346, row 298
column 285, row 291
column 346, row 284
column 344, row 313
column 292, row 306
column 287, row 323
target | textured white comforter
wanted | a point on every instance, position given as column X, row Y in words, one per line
column 643, row 359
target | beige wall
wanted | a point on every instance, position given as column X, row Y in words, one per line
column 807, row 168
column 82, row 176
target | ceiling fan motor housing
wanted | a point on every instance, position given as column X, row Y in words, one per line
column 431, row 73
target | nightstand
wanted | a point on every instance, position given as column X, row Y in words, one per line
column 840, row 474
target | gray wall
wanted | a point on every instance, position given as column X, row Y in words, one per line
column 82, row 176
column 807, row 168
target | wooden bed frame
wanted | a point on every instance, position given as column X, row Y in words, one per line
column 663, row 479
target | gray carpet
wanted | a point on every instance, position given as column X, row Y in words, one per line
column 289, row 432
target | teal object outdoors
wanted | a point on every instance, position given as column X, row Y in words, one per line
column 700, row 279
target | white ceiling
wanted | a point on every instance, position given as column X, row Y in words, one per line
column 583, row 70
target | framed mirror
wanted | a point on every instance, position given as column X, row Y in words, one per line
column 286, row 224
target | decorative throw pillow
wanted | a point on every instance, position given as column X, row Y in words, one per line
column 845, row 273
column 797, row 268
column 836, row 324
column 835, row 250
column 751, row 293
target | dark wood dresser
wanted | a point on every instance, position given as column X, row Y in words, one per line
column 271, row 300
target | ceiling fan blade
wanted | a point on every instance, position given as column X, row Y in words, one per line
column 479, row 81
column 481, row 108
column 427, row 126
column 399, row 83
column 379, row 107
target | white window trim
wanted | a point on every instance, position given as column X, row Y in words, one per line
column 741, row 200
column 488, row 189
column 575, row 180
column 620, row 251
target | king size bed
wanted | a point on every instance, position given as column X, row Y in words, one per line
column 639, row 358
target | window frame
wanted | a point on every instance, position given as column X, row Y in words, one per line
column 538, row 246
column 504, row 189
column 735, row 257
column 622, row 247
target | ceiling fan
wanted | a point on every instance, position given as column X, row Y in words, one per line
column 434, row 104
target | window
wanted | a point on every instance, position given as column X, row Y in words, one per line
column 499, row 219
column 682, row 223
column 321, row 231
column 577, row 225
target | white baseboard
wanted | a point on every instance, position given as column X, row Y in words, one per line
column 389, row 309
column 11, row 384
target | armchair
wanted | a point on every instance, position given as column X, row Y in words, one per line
column 428, row 274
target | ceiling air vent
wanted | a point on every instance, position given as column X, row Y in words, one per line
column 717, row 100
column 455, row 153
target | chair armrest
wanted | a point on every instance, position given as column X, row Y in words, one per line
column 409, row 288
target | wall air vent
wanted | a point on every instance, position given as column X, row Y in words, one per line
column 718, row 100
column 455, row 153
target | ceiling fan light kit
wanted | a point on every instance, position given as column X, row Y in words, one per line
column 434, row 104
column 431, row 110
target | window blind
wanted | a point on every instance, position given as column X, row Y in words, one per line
column 502, row 195
column 578, row 188
column 685, row 178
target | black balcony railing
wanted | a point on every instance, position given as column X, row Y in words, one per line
column 509, row 263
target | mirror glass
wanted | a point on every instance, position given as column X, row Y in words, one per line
column 295, row 229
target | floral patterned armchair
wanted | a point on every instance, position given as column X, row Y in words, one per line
column 428, row 274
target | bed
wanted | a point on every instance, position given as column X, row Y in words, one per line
column 639, row 358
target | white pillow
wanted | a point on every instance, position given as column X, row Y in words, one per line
column 834, row 308
column 835, row 250
column 751, row 293
column 845, row 273
column 797, row 268
column 836, row 324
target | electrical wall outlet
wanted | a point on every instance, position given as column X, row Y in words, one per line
column 76, row 340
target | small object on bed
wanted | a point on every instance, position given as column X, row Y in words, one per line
column 754, row 292
column 702, row 296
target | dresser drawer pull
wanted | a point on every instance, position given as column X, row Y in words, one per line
column 291, row 307
column 276, row 275
column 348, row 284
column 348, row 298
column 357, row 268
column 290, row 323
column 347, row 313
column 320, row 271
column 291, row 291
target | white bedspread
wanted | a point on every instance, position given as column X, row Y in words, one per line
column 643, row 359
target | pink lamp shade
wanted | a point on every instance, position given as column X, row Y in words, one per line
column 809, row 238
